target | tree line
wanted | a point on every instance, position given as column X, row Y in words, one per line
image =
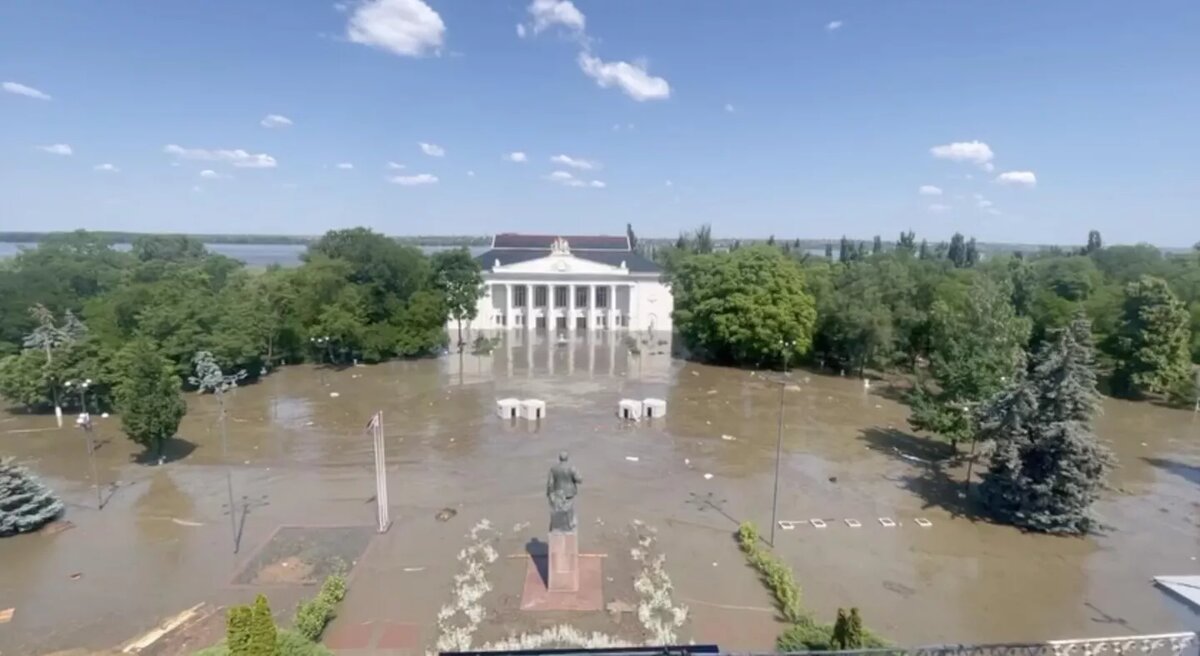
column 75, row 308
column 1011, row 350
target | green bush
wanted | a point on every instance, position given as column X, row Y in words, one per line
column 314, row 614
column 774, row 572
column 287, row 643
column 805, row 634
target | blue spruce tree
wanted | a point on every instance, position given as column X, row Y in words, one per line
column 1048, row 467
column 25, row 504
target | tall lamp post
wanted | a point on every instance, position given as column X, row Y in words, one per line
column 322, row 346
column 786, row 347
column 84, row 421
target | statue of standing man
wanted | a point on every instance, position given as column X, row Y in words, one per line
column 561, row 487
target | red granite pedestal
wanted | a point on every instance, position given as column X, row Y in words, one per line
column 564, row 579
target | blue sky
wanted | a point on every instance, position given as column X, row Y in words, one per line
column 1025, row 121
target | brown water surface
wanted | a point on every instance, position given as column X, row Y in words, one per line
column 299, row 456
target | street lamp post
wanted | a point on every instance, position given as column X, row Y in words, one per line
column 84, row 421
column 322, row 344
column 785, row 347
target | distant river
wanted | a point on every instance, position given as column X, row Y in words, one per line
column 254, row 255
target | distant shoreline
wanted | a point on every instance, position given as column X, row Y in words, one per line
column 807, row 244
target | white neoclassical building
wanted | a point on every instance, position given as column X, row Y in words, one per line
column 565, row 283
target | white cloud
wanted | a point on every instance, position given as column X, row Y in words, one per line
column 197, row 188
column 345, row 166
column 982, row 202
column 833, row 26
column 730, row 108
column 566, row 178
column 633, row 79
column 236, row 157
column 409, row 28
column 938, row 207
column 517, row 156
column 520, row 31
column 575, row 163
column 975, row 152
column 994, row 212
column 394, row 166
column 57, row 149
column 929, row 190
column 668, row 183
column 275, row 121
column 1019, row 178
column 433, row 150
column 548, row 13
column 22, row 90
column 209, row 174
column 106, row 168
column 470, row 174
column 413, row 180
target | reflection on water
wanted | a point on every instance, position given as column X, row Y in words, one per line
column 297, row 438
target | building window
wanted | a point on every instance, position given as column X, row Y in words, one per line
column 602, row 297
column 560, row 296
column 519, row 296
column 581, row 294
column 539, row 296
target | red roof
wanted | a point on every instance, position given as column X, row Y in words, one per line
column 574, row 242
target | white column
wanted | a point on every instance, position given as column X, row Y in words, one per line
column 612, row 307
column 591, row 308
column 508, row 306
column 633, row 306
column 529, row 322
column 570, row 309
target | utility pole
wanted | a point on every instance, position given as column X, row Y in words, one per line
column 209, row 378
column 84, row 421
column 786, row 348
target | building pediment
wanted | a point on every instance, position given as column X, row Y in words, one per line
column 560, row 264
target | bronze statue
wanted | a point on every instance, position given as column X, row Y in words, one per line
column 561, row 487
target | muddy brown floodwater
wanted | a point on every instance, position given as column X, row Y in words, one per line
column 299, row 457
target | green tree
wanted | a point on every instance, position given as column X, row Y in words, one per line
column 1047, row 467
column 702, row 239
column 460, row 280
column 744, row 306
column 25, row 503
column 958, row 250
column 771, row 240
column 237, row 630
column 877, row 245
column 148, row 396
column 924, row 251
column 1094, row 243
column 974, row 346
column 907, row 242
column 829, row 251
column 262, row 639
column 633, row 242
column 1153, row 342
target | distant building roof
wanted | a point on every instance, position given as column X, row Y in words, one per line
column 576, row 242
column 634, row 262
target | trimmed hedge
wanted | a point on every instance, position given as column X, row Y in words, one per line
column 314, row 614
column 805, row 634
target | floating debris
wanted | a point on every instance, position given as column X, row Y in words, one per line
column 334, row 395
column 729, row 438
column 445, row 514
column 887, row 522
column 414, row 569
column 925, row 523
column 708, row 477
column 184, row 522
column 853, row 523
column 6, row 615
column 817, row 523
column 631, row 458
